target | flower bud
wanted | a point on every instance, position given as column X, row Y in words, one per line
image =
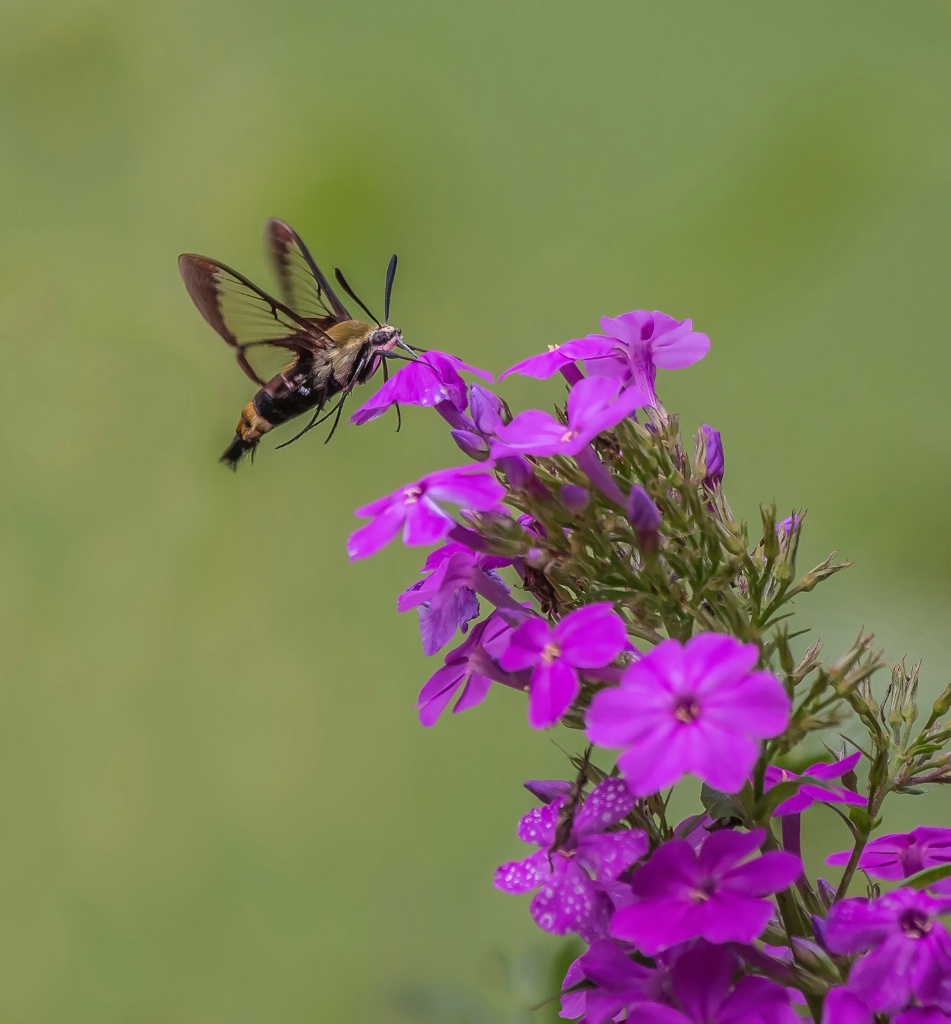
column 474, row 445
column 710, row 452
column 486, row 409
column 521, row 477
column 574, row 498
column 644, row 516
column 548, row 790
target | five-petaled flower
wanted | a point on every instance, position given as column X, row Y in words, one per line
column 430, row 379
column 705, row 990
column 808, row 794
column 909, row 950
column 716, row 893
column 644, row 342
column 469, row 671
column 446, row 599
column 595, row 404
column 589, row 637
column 902, row 854
column 576, row 875
column 694, row 708
column 416, row 510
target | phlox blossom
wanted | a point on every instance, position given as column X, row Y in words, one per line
column 705, row 990
column 909, row 950
column 589, row 637
column 807, row 794
column 716, row 893
column 594, row 405
column 469, row 671
column 644, row 342
column 575, row 877
column 903, row 854
column 416, row 508
column 430, row 379
column 446, row 599
column 697, row 708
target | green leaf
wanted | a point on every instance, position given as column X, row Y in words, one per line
column 720, row 805
column 922, row 879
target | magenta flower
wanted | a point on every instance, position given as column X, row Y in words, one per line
column 575, row 877
column 446, row 600
column 909, row 954
column 716, row 893
column 594, row 405
column 616, row 982
column 643, row 342
column 901, row 855
column 808, row 795
column 918, row 1015
column 431, row 379
column 547, row 364
column 696, row 708
column 844, row 1007
column 469, row 671
column 589, row 637
column 702, row 980
column 416, row 510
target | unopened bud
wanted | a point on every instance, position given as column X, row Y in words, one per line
column 486, row 410
column 474, row 445
column 710, row 451
column 644, row 516
column 574, row 497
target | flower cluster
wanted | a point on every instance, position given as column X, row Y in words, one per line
column 647, row 622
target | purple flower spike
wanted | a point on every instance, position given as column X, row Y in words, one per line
column 430, row 379
column 910, row 950
column 589, row 637
column 711, row 447
column 696, row 708
column 594, row 405
column 576, row 877
column 416, row 511
column 469, row 671
column 901, row 855
column 446, row 599
column 716, row 893
column 644, row 342
column 808, row 795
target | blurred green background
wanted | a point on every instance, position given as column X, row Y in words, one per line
column 218, row 804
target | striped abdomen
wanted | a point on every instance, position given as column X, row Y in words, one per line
column 290, row 393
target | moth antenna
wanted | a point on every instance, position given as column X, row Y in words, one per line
column 388, row 290
column 342, row 281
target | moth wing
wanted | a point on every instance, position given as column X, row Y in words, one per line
column 302, row 284
column 266, row 334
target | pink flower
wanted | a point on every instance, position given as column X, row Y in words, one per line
column 589, row 637
column 416, row 510
column 697, row 708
